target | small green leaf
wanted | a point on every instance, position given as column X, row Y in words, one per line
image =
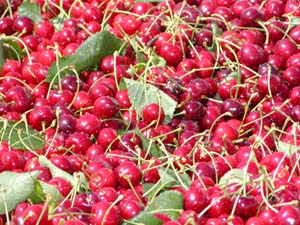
column 15, row 188
column 149, row 145
column 32, row 10
column 87, row 55
column 20, row 136
column 2, row 54
column 287, row 148
column 51, row 192
column 169, row 203
column 77, row 178
column 141, row 95
column 144, row 218
column 37, row 196
column 234, row 176
column 173, row 179
column 158, row 61
column 59, row 20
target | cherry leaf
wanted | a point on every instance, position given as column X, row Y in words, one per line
column 75, row 179
column 169, row 203
column 88, row 55
column 32, row 10
column 234, row 176
column 173, row 179
column 141, row 95
column 15, row 188
column 20, row 136
column 287, row 148
column 51, row 193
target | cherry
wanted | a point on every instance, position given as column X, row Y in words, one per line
column 251, row 55
column 206, row 169
column 89, row 124
column 12, row 160
column 195, row 200
column 6, row 24
column 106, row 107
column 103, row 177
column 246, row 206
column 250, row 16
column 105, row 214
column 285, row 48
column 23, row 24
column 129, row 208
column 153, row 113
column 128, row 174
column 268, row 216
column 294, row 95
column 66, row 123
column 19, row 98
column 62, row 185
column 288, row 215
column 40, row 117
column 233, row 107
column 172, row 53
column 123, row 99
column 62, row 162
column 44, row 29
column 269, row 84
column 193, row 110
column 78, row 142
column 32, row 215
column 107, row 194
column 107, row 137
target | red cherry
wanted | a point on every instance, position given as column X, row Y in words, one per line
column 195, row 200
column 105, row 214
column 128, row 174
column 153, row 113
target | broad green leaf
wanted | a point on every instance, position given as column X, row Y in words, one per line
column 32, row 10
column 15, row 188
column 20, row 136
column 141, row 95
column 77, row 178
column 173, row 179
column 287, row 148
column 234, row 176
column 13, row 50
column 88, row 54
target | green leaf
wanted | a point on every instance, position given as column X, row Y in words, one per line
column 51, row 192
column 31, row 10
column 234, row 176
column 2, row 54
column 59, row 20
column 173, row 179
column 37, row 196
column 76, row 179
column 158, row 61
column 20, row 136
column 144, row 218
column 287, row 148
column 87, row 55
column 169, row 203
column 141, row 95
column 15, row 188
column 147, row 144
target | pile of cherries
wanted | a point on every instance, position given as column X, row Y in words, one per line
column 232, row 66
